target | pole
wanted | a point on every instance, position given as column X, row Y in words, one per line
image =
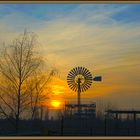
column 135, row 132
column 62, row 125
column 117, row 125
column 79, row 101
column 105, row 125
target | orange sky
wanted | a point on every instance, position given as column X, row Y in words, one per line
column 92, row 36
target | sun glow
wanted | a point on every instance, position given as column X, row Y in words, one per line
column 58, row 89
column 55, row 103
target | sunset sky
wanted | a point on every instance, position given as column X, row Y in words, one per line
column 104, row 38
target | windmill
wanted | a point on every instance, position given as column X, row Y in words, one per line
column 79, row 80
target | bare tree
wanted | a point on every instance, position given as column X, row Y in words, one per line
column 38, row 90
column 17, row 65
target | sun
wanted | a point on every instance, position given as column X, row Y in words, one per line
column 55, row 103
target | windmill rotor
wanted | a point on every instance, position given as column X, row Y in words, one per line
column 83, row 75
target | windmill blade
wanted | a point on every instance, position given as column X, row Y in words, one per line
column 85, row 87
column 74, row 71
column 71, row 74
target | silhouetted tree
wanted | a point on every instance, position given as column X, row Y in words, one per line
column 38, row 90
column 18, row 64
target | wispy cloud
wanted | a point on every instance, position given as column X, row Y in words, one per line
column 93, row 35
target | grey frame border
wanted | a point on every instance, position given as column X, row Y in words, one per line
column 70, row 137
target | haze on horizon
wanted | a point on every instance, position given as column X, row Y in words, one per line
column 104, row 38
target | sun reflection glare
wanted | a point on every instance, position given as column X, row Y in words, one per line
column 55, row 103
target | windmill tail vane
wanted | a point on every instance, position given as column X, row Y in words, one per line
column 97, row 78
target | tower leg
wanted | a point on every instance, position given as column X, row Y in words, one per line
column 79, row 98
column 79, row 103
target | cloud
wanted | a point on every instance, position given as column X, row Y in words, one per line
column 87, row 35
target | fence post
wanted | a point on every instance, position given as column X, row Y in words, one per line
column 62, row 125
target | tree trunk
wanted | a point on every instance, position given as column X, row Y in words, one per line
column 17, row 124
column 18, row 110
